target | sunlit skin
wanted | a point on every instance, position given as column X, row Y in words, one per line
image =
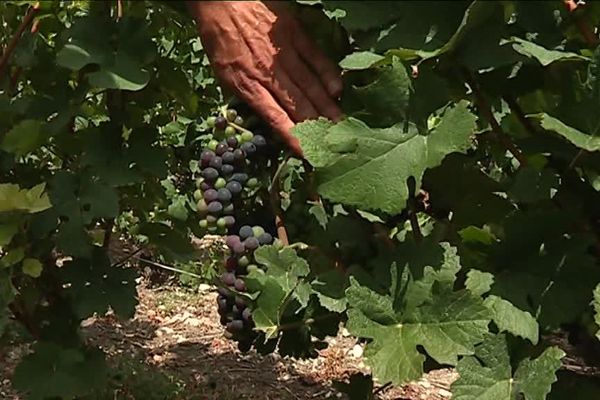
column 260, row 52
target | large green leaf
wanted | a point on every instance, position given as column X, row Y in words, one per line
column 510, row 319
column 13, row 198
column 488, row 375
column 541, row 54
column 23, row 138
column 578, row 138
column 356, row 162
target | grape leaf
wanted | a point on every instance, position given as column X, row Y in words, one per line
column 479, row 283
column 13, row 198
column 7, row 231
column 52, row 371
column 380, row 161
column 541, row 54
column 596, row 305
column 23, row 138
column 509, row 318
column 487, row 375
column 578, row 138
column 360, row 60
column 123, row 73
column 531, row 185
column 436, row 324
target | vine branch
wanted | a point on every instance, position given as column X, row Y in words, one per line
column 485, row 108
column 276, row 203
column 12, row 44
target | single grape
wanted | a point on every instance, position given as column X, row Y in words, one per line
column 251, row 243
column 244, row 346
column 224, row 321
column 265, row 238
column 228, row 278
column 197, row 194
column 257, row 230
column 222, row 304
column 231, row 264
column 220, row 183
column 210, row 122
column 239, row 177
column 232, row 240
column 216, row 163
column 201, row 207
column 205, row 157
column 235, row 326
column 229, row 209
column 237, row 313
column 247, row 136
column 240, row 302
column 239, row 121
column 240, row 285
column 210, row 195
column 210, row 174
column 224, row 195
column 231, row 114
column 212, row 220
column 249, row 148
column 221, row 223
column 259, row 140
column 230, row 132
column 252, row 268
column 232, row 142
column 229, row 220
column 239, row 248
column 228, row 157
column 215, row 207
column 221, row 230
column 223, row 292
column 220, row 122
column 234, row 187
column 212, row 145
column 247, row 315
column 246, row 232
column 244, row 260
column 221, row 148
column 227, row 169
column 199, row 182
column 252, row 182
column 239, row 155
column 205, row 186
column 203, row 224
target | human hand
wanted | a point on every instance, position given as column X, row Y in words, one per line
column 262, row 53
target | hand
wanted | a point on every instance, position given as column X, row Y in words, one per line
column 261, row 52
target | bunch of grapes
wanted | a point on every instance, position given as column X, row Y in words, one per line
column 224, row 164
column 233, row 306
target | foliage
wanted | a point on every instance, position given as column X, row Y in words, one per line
column 451, row 218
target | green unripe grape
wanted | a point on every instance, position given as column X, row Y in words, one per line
column 239, row 121
column 252, row 182
column 212, row 229
column 231, row 114
column 203, row 224
column 221, row 230
column 247, row 136
column 221, row 223
column 197, row 194
column 257, row 231
column 220, row 183
column 199, row 182
column 201, row 206
column 278, row 244
column 230, row 131
column 213, row 144
column 243, row 261
column 210, row 121
column 238, row 137
column 252, row 268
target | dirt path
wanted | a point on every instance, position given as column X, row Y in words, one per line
column 174, row 349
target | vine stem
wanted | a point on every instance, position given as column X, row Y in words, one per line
column 486, row 110
column 414, row 221
column 119, row 9
column 276, row 203
column 584, row 28
column 12, row 44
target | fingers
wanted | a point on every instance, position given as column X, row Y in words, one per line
column 324, row 68
column 310, row 85
column 290, row 96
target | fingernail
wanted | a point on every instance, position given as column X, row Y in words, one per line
column 334, row 87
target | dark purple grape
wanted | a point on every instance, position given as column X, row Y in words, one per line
column 227, row 169
column 215, row 207
column 205, row 186
column 235, row 326
column 232, row 240
column 216, row 163
column 239, row 248
column 229, row 220
column 221, row 148
column 221, row 122
column 210, row 195
column 249, row 148
column 224, row 195
column 222, row 305
column 240, row 285
column 205, row 157
column 210, row 174
column 228, row 278
column 231, row 264
column 229, row 209
column 240, row 302
column 239, row 155
column 232, row 141
column 223, row 292
column 224, row 320
column 234, row 187
column 244, row 346
column 251, row 243
column 239, row 177
column 247, row 315
column 228, row 157
column 246, row 232
column 237, row 313
column 265, row 238
column 259, row 140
